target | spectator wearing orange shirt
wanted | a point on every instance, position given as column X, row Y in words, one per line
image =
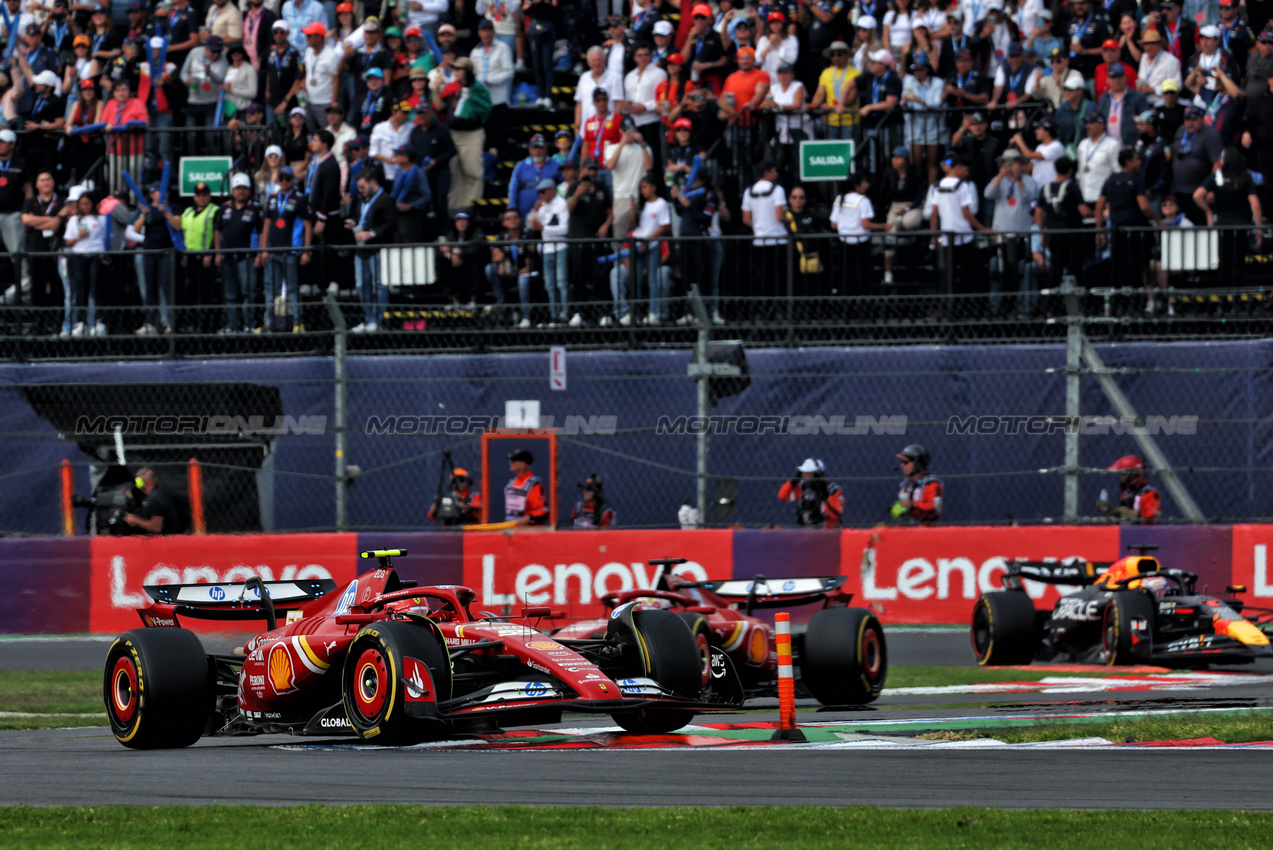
column 524, row 499
column 744, row 91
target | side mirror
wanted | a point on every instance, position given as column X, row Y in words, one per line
column 1236, row 588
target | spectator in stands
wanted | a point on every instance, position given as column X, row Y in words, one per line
column 640, row 87
column 1120, row 105
column 1195, row 150
column 541, row 28
column 1180, row 32
column 1124, row 203
column 322, row 188
column 47, row 118
column 493, row 65
column 287, row 225
column 744, row 91
column 979, row 150
column 342, row 132
column 434, row 149
column 1046, row 151
column 592, row 511
column 966, row 88
column 591, row 215
column 1061, row 211
column 1088, row 30
column 413, row 198
column 387, row 137
column 664, row 47
column 375, row 104
column 1157, row 66
column 373, row 222
column 299, row 14
column 125, row 117
column 126, row 66
column 224, row 20
column 954, row 210
column 258, row 37
column 203, row 73
column 764, row 206
column 1042, row 44
column 881, row 91
column 704, row 51
column 1097, row 157
column 295, row 141
column 1227, row 198
column 1012, row 192
column 322, row 72
column 1015, row 80
column 181, row 29
column 463, row 250
column 851, row 216
column 363, row 52
column 627, row 160
column 1172, row 218
column 15, row 188
column 785, row 102
column 647, row 257
column 1137, row 501
column 1258, row 138
column 1151, row 148
column 776, row 47
column 1054, row 75
column 156, row 284
column 506, row 15
column 467, row 103
column 925, row 131
column 618, row 47
column 1224, row 107
column 284, row 75
column 1202, row 71
column 197, row 225
column 236, row 223
column 42, row 236
column 1260, row 66
column 1236, row 38
column 903, row 193
column 523, row 185
column 597, row 77
column 511, row 262
column 86, row 238
column 550, row 215
column 837, row 91
column 1111, row 54
column 82, row 66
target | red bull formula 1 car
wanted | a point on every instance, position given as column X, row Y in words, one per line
column 840, row 658
column 1130, row 611
column 393, row 663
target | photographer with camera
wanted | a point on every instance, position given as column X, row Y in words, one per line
column 159, row 513
column 591, row 511
column 819, row 503
column 461, row 505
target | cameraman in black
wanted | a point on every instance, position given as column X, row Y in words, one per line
column 461, row 506
column 819, row 503
column 159, row 512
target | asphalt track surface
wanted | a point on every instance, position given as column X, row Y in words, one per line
column 86, row 766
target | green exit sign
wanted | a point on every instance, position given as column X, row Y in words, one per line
column 213, row 170
column 829, row 160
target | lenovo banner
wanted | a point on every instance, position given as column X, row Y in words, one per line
column 1250, row 565
column 933, row 575
column 571, row 571
column 122, row 566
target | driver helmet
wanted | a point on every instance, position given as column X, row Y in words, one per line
column 1157, row 585
column 1131, row 469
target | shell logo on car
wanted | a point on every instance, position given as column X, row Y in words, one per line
column 282, row 674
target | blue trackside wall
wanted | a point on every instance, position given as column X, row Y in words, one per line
column 988, row 477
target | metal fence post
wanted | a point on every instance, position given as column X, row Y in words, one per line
column 339, row 389
column 1073, row 393
column 700, row 375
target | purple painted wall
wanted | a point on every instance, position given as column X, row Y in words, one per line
column 46, row 585
column 433, row 557
column 1205, row 550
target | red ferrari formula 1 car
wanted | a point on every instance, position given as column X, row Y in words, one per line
column 840, row 658
column 395, row 664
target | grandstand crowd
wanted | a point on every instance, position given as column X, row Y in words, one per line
column 1036, row 137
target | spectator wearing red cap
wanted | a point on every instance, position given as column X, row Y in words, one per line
column 322, row 73
column 671, row 92
column 1111, row 55
column 776, row 47
column 703, row 50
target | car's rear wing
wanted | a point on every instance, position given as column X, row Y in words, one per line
column 761, row 592
column 284, row 594
column 1076, row 571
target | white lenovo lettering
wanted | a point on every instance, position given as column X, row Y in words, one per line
column 576, row 583
column 161, row 573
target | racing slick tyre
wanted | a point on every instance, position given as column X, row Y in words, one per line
column 1005, row 629
column 703, row 640
column 671, row 659
column 375, row 683
column 1127, row 628
column 844, row 658
column 159, row 687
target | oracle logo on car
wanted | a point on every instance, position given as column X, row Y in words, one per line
column 573, row 583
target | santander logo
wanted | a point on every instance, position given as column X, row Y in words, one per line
column 124, row 594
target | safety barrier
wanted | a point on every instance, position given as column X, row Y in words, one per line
column 912, row 575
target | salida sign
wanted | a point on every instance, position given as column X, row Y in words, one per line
column 571, row 572
column 122, row 566
column 933, row 575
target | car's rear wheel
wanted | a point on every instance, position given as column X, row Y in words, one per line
column 844, row 659
column 159, row 688
column 1127, row 628
column 671, row 658
column 1005, row 629
column 374, row 682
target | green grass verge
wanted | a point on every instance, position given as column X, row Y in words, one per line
column 1237, row 727
column 61, row 691
column 735, row 828
column 932, row 677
